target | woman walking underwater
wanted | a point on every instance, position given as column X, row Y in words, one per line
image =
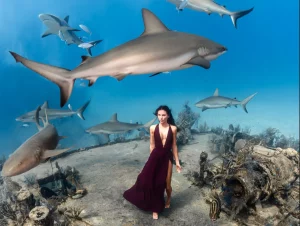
column 148, row 191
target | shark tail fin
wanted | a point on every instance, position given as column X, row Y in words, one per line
column 59, row 76
column 148, row 124
column 80, row 111
column 94, row 43
column 245, row 102
column 236, row 15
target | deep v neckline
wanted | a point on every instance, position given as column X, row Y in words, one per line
column 163, row 145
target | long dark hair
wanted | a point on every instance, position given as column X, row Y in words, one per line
column 169, row 113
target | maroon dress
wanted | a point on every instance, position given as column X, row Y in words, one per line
column 148, row 191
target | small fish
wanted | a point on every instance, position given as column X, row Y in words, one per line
column 215, row 206
column 85, row 45
column 85, row 28
column 25, row 125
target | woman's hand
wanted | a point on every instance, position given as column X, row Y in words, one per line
column 178, row 167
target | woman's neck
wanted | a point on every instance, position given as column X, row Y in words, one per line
column 164, row 124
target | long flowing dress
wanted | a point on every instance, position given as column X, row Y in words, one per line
column 148, row 191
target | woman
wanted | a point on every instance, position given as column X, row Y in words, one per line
column 148, row 191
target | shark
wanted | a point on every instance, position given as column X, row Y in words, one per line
column 57, row 26
column 210, row 6
column 114, row 126
column 35, row 150
column 53, row 113
column 217, row 101
column 156, row 50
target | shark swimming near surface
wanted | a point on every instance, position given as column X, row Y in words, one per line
column 114, row 126
column 57, row 26
column 217, row 101
column 210, row 6
column 157, row 50
column 34, row 150
column 53, row 113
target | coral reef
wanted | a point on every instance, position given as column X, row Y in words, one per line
column 2, row 161
column 186, row 119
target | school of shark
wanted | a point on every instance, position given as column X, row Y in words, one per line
column 168, row 50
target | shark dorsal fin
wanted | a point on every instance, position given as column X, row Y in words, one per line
column 114, row 118
column 45, row 105
column 151, row 23
column 37, row 118
column 84, row 59
column 216, row 93
column 67, row 19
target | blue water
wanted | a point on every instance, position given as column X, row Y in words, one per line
column 263, row 57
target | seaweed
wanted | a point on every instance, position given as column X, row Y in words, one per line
column 203, row 128
column 30, row 179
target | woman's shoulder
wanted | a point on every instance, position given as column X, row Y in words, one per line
column 152, row 127
column 174, row 128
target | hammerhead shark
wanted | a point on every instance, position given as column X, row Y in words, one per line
column 34, row 150
column 53, row 113
column 217, row 101
column 210, row 6
column 157, row 50
column 114, row 126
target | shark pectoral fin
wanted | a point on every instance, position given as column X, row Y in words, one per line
column 46, row 33
column 155, row 74
column 51, row 153
column 120, row 76
column 200, row 61
column 204, row 108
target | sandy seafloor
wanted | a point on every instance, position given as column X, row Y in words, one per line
column 106, row 172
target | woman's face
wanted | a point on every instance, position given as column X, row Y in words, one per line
column 162, row 116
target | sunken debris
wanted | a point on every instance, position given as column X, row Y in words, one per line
column 252, row 183
column 40, row 201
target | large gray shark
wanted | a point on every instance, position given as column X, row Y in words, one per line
column 157, row 50
column 114, row 126
column 53, row 113
column 59, row 27
column 209, row 6
column 217, row 101
column 34, row 150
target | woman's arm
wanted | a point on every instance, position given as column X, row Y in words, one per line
column 175, row 149
column 152, row 143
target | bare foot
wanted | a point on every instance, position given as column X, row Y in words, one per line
column 168, row 203
column 155, row 216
